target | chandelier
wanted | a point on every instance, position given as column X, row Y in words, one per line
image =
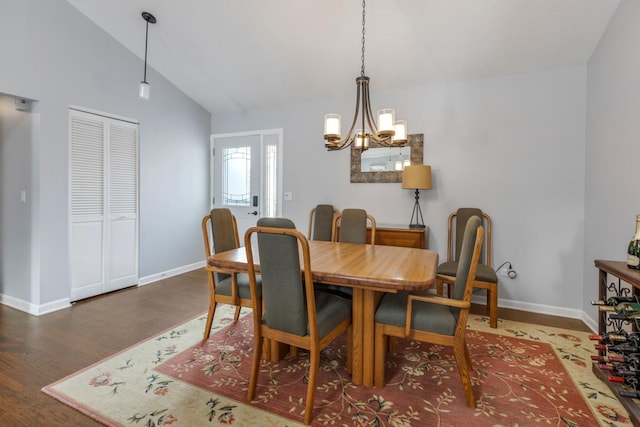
column 386, row 131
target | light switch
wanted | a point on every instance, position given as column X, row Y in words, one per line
column 23, row 196
column 288, row 195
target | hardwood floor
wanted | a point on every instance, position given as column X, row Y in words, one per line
column 36, row 351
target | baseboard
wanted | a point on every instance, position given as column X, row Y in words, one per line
column 570, row 313
column 170, row 273
column 34, row 309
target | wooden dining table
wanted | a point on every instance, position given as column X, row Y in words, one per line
column 370, row 270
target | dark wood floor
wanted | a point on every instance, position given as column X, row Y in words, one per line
column 36, row 351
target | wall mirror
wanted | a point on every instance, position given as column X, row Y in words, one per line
column 385, row 164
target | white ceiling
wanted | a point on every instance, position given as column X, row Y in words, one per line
column 233, row 55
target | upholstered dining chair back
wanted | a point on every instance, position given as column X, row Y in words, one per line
column 224, row 234
column 281, row 276
column 321, row 222
column 464, row 284
column 460, row 219
column 352, row 225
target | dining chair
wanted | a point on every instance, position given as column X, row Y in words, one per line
column 351, row 226
column 431, row 318
column 304, row 319
column 321, row 222
column 231, row 288
column 486, row 277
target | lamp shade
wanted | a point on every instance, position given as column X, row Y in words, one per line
column 417, row 177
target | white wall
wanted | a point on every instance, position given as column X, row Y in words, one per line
column 53, row 54
column 613, row 144
column 513, row 146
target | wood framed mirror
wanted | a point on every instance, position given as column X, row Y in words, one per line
column 385, row 164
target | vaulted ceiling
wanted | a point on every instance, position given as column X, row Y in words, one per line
column 234, row 55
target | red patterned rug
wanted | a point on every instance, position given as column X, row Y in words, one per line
column 516, row 382
column 523, row 375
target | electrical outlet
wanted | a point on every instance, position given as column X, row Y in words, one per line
column 506, row 271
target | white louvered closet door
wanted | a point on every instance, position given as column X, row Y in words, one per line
column 104, row 204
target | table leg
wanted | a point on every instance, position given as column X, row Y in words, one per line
column 357, row 335
column 370, row 303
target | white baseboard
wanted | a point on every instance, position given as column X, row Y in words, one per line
column 170, row 273
column 34, row 309
column 40, row 309
column 570, row 313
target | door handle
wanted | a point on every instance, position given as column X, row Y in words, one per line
column 253, row 213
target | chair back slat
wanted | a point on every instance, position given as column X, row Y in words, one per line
column 283, row 293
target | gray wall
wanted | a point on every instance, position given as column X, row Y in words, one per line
column 613, row 144
column 16, row 136
column 54, row 55
column 511, row 145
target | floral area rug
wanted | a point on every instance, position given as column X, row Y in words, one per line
column 523, row 375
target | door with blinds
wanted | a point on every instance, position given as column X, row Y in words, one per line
column 103, row 203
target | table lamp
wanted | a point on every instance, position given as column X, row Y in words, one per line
column 417, row 177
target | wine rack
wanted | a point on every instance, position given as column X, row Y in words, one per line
column 611, row 279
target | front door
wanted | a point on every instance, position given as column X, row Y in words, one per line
column 246, row 175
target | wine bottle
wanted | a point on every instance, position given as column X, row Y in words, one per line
column 625, row 349
column 633, row 251
column 628, row 309
column 610, row 338
column 625, row 372
column 630, row 381
column 615, row 300
column 608, row 359
column 632, row 394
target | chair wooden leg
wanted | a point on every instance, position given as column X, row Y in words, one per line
column 439, row 287
column 207, row 327
column 380, row 350
column 236, row 315
column 349, row 350
column 492, row 303
column 459, row 353
column 255, row 367
column 467, row 357
column 314, row 366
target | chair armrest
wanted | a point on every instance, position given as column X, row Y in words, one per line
column 433, row 299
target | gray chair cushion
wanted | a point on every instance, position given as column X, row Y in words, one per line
column 322, row 222
column 484, row 273
column 244, row 291
column 353, row 226
column 462, row 216
column 425, row 316
column 331, row 310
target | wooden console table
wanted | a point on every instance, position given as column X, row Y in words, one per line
column 611, row 274
column 401, row 236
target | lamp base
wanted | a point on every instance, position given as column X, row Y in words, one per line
column 417, row 213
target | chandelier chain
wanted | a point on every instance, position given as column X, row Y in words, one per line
column 363, row 32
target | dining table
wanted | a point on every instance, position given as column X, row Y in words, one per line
column 370, row 270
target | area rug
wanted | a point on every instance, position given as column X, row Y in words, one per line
column 523, row 375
